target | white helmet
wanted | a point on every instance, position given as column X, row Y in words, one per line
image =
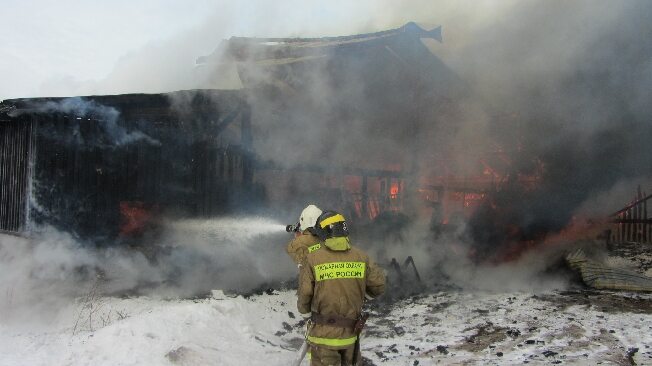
column 309, row 217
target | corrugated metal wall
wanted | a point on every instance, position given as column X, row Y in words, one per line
column 15, row 155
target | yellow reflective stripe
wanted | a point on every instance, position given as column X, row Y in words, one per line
column 331, row 220
column 335, row 342
column 309, row 355
column 335, row 270
column 312, row 248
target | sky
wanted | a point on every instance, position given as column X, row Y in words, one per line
column 75, row 47
column 80, row 41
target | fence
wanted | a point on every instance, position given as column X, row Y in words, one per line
column 632, row 223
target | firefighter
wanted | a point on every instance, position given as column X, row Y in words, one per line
column 304, row 241
column 333, row 284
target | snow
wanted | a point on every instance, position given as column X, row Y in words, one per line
column 218, row 330
column 448, row 327
column 513, row 328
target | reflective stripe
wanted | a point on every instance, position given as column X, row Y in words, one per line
column 336, row 270
column 334, row 342
column 331, row 220
column 312, row 248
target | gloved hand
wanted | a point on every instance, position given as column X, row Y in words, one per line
column 304, row 318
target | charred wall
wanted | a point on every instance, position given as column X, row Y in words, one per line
column 108, row 167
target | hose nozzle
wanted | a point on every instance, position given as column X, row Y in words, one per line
column 292, row 228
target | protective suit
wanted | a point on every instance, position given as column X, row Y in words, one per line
column 333, row 283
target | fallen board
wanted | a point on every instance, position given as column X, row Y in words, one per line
column 600, row 276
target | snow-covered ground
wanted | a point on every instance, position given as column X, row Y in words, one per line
column 55, row 309
column 470, row 328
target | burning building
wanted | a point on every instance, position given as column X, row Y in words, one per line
column 366, row 124
column 106, row 166
column 343, row 121
column 362, row 119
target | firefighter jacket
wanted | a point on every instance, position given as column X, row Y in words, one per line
column 299, row 247
column 333, row 282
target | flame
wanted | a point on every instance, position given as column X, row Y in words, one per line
column 393, row 191
column 136, row 217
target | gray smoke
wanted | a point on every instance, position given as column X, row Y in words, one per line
column 560, row 87
column 575, row 85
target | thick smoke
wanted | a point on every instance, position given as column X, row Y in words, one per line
column 576, row 85
column 562, row 86
column 557, row 87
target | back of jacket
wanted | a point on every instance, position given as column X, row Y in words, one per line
column 334, row 283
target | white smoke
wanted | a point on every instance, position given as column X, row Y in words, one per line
column 43, row 274
column 80, row 108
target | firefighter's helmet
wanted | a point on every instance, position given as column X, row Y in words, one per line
column 309, row 217
column 331, row 224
